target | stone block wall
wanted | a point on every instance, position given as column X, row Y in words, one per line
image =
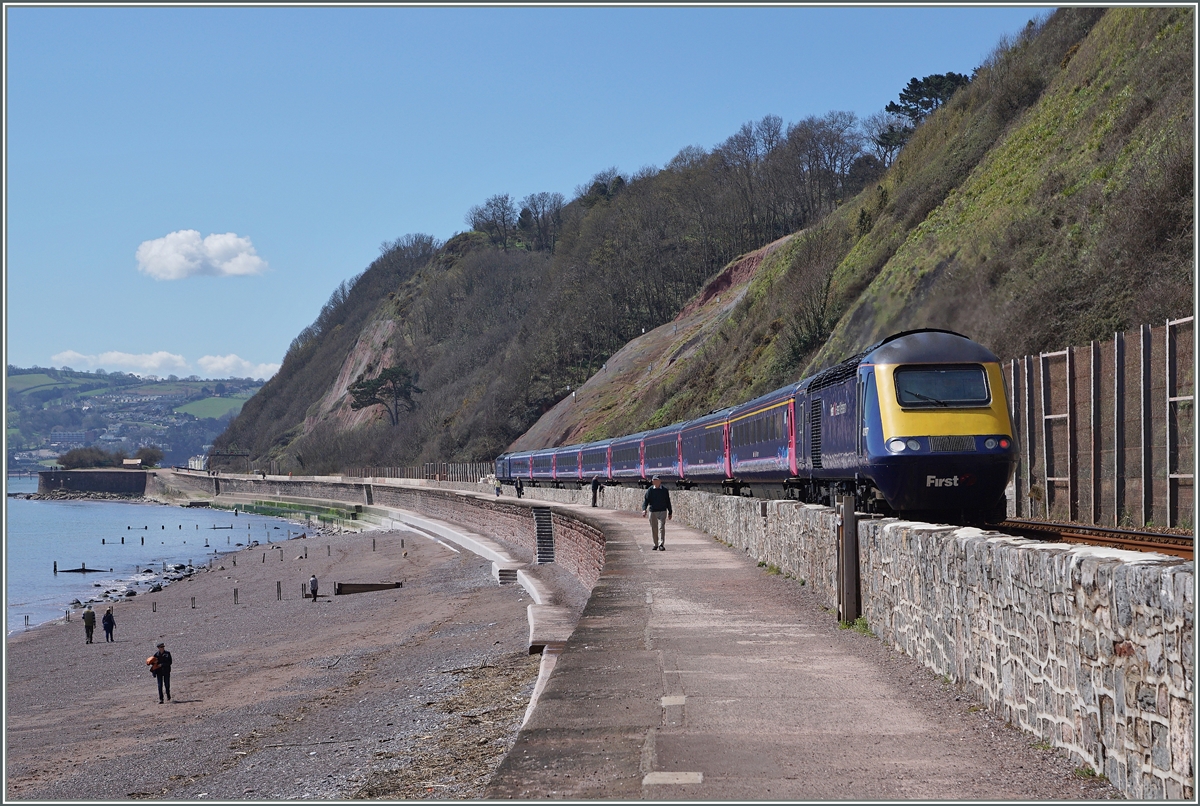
column 1088, row 648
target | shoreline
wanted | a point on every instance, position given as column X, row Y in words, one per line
column 370, row 695
column 116, row 585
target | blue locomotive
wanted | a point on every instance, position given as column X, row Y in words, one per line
column 917, row 425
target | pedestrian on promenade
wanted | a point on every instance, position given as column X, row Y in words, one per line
column 312, row 586
column 496, row 481
column 160, row 667
column 657, row 505
column 595, row 488
column 109, row 622
column 520, row 489
column 89, row 622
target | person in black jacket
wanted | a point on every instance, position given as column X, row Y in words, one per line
column 595, row 488
column 657, row 506
column 109, row 621
column 162, row 670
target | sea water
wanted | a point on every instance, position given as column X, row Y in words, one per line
column 88, row 533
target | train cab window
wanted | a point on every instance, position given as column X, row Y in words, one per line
column 942, row 386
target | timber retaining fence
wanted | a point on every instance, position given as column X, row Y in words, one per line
column 1090, row 649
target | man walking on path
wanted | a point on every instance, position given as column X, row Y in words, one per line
column 109, row 622
column 89, row 622
column 657, row 504
column 595, row 489
column 312, row 586
column 161, row 668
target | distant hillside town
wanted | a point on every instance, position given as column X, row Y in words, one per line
column 53, row 411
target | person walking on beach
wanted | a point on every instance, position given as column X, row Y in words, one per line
column 89, row 622
column 657, row 505
column 312, row 586
column 160, row 667
column 109, row 622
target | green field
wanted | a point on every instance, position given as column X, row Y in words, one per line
column 213, row 407
column 24, row 383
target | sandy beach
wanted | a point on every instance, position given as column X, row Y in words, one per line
column 414, row 692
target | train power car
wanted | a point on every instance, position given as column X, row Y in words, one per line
column 917, row 424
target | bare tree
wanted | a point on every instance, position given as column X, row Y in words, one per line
column 545, row 218
column 497, row 217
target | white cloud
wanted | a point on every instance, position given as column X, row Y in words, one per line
column 184, row 254
column 233, row 366
column 138, row 363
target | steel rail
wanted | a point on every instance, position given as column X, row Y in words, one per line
column 1130, row 539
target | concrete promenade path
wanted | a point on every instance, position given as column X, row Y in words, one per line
column 694, row 674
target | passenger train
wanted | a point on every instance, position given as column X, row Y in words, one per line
column 916, row 425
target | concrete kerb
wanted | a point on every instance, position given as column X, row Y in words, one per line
column 549, row 625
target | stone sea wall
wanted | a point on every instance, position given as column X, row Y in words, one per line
column 122, row 482
column 578, row 545
column 1087, row 648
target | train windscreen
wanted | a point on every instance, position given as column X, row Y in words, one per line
column 944, row 387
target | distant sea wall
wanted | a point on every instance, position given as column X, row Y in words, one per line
column 121, row 482
column 1087, row 648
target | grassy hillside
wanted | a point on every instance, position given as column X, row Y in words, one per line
column 1047, row 203
column 1075, row 224
column 214, row 407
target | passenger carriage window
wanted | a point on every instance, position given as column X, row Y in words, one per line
column 942, row 386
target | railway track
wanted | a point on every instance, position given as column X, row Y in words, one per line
column 1133, row 540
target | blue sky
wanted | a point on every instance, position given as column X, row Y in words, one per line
column 186, row 186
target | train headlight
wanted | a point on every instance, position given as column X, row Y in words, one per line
column 913, row 445
column 895, row 445
column 989, row 443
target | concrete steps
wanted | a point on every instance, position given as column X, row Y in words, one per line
column 545, row 535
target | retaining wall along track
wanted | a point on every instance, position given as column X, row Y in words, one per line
column 1088, row 648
